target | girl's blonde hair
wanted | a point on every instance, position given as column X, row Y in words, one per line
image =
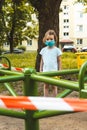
column 50, row 32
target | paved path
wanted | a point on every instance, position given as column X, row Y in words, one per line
column 76, row 121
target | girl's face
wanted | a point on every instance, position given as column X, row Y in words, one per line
column 49, row 37
column 50, row 42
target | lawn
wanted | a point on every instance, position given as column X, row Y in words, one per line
column 69, row 60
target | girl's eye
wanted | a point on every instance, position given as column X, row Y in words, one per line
column 49, row 39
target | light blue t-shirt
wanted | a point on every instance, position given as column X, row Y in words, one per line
column 49, row 56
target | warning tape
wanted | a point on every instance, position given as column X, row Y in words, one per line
column 12, row 68
column 43, row 103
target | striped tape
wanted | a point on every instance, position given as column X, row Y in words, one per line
column 43, row 103
column 12, row 68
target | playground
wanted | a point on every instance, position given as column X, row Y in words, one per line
column 67, row 115
column 75, row 121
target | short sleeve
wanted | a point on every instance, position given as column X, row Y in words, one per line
column 59, row 52
column 42, row 51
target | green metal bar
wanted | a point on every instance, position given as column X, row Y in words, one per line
column 30, row 89
column 7, row 72
column 58, row 82
column 59, row 73
column 10, row 89
column 82, row 80
column 64, row 93
column 9, row 63
column 44, row 114
column 11, row 78
column 83, row 93
column 30, row 78
column 12, row 113
column 85, row 78
column 82, row 73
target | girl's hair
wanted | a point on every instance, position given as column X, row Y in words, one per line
column 50, row 32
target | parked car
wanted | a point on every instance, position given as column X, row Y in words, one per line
column 69, row 48
column 15, row 50
column 84, row 49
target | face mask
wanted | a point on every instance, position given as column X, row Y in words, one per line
column 50, row 43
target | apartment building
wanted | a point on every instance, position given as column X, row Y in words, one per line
column 73, row 25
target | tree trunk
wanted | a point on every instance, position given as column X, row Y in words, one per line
column 11, row 41
column 48, row 19
column 12, row 31
column 1, row 4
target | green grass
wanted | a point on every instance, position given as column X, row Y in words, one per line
column 28, row 59
column 22, row 60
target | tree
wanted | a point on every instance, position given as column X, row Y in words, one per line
column 82, row 1
column 48, row 15
column 1, row 29
column 14, row 16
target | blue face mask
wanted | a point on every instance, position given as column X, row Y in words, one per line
column 50, row 43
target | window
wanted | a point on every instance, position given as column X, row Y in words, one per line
column 66, row 20
column 65, row 13
column 79, row 41
column 66, row 7
column 6, row 44
column 79, row 28
column 80, row 14
column 29, row 43
column 66, row 33
column 65, row 26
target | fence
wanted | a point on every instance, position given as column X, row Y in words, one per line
column 30, row 78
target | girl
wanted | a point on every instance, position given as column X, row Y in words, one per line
column 50, row 58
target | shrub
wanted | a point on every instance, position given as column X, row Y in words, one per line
column 28, row 59
column 69, row 60
column 22, row 47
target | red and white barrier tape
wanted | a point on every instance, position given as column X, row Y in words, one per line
column 12, row 68
column 43, row 103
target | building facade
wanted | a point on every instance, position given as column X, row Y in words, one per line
column 73, row 24
column 30, row 44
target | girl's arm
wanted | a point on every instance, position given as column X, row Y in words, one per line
column 41, row 65
column 59, row 63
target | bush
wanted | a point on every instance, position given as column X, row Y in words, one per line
column 22, row 47
column 69, row 60
column 1, row 50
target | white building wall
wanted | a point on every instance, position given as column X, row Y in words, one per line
column 31, row 46
column 77, row 25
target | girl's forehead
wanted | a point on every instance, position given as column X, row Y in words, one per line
column 50, row 36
